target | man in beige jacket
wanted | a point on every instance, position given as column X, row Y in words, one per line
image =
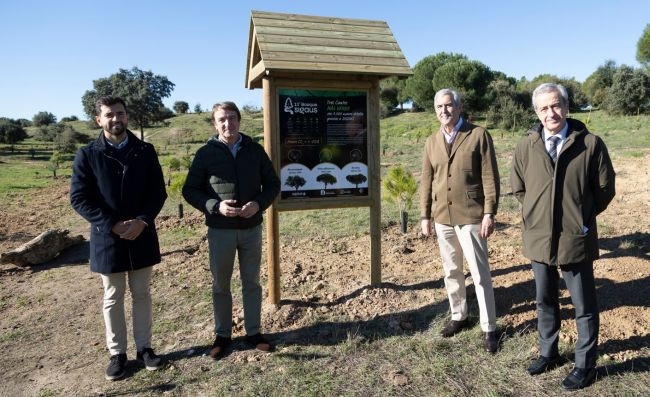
column 459, row 190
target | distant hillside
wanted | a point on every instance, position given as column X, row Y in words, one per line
column 190, row 128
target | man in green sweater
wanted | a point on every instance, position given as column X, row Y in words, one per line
column 232, row 180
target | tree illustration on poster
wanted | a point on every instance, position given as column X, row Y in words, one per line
column 295, row 181
column 356, row 179
column 323, row 138
column 326, row 179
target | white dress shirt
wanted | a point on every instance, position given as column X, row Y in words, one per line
column 562, row 135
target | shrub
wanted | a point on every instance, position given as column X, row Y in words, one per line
column 64, row 137
column 399, row 187
column 629, row 93
column 507, row 114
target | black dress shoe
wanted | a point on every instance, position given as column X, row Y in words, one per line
column 453, row 327
column 543, row 364
column 579, row 378
column 490, row 342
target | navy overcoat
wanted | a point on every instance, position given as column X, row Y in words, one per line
column 110, row 185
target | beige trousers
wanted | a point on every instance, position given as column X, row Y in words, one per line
column 114, row 318
column 456, row 242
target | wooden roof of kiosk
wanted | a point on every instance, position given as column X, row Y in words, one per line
column 288, row 44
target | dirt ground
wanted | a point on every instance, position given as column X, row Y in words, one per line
column 51, row 332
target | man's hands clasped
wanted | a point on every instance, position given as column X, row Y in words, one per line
column 129, row 230
column 228, row 208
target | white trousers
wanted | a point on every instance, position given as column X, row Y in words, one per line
column 456, row 242
column 114, row 318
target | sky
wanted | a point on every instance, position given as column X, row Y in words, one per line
column 53, row 50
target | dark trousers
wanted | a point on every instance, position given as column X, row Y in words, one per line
column 579, row 279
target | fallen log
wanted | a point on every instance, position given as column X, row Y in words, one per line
column 46, row 246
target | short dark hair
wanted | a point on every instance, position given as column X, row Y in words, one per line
column 226, row 105
column 108, row 100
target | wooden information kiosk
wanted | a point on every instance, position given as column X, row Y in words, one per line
column 320, row 78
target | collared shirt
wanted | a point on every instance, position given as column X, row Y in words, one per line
column 235, row 148
column 118, row 146
column 452, row 135
column 562, row 135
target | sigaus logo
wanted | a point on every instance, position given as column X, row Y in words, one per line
column 299, row 107
column 288, row 106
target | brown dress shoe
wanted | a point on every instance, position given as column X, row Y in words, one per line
column 259, row 342
column 490, row 342
column 453, row 327
column 219, row 347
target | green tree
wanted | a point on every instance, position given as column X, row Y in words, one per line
column 172, row 164
column 643, row 48
column 141, row 90
column 68, row 119
column 326, row 179
column 197, row 108
column 419, row 87
column 66, row 139
column 470, row 78
column 399, row 188
column 508, row 107
column 629, row 93
column 392, row 94
column 387, row 97
column 11, row 132
column 577, row 97
column 598, row 83
column 55, row 163
column 295, row 181
column 43, row 118
column 165, row 113
column 24, row 123
column 181, row 107
column 175, row 189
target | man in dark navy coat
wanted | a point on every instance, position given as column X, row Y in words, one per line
column 117, row 185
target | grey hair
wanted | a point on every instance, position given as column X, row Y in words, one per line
column 552, row 87
column 448, row 91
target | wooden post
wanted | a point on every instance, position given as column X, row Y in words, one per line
column 374, row 172
column 272, row 215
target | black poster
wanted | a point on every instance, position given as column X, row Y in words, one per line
column 324, row 141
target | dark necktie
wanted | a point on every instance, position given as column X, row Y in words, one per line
column 552, row 151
